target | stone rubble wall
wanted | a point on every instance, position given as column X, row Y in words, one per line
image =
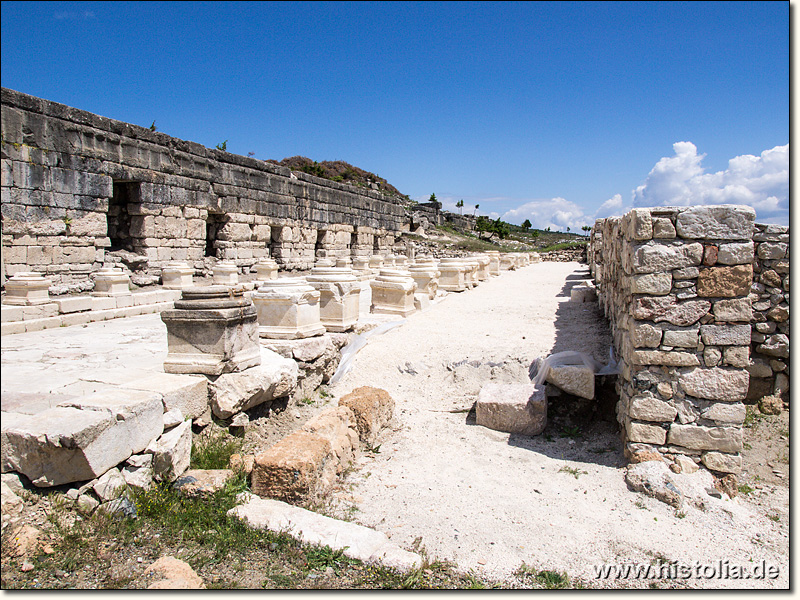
column 59, row 170
column 675, row 284
column 769, row 352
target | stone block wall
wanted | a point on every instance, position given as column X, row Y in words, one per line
column 75, row 185
column 675, row 284
column 769, row 372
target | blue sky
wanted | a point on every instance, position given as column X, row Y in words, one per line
column 557, row 112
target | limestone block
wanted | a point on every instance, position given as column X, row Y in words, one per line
column 110, row 485
column 687, row 465
column 725, row 282
column 513, row 408
column 657, row 284
column 27, row 288
column 232, row 393
column 715, row 383
column 426, row 275
column 138, row 471
column 721, row 222
column 288, row 308
column 648, row 408
column 779, row 314
column 355, row 541
column 337, row 424
column 296, row 469
column 110, row 282
column 663, row 228
column 11, row 314
column 266, row 269
column 172, row 452
column 725, row 335
column 681, row 338
column 646, row 335
column 725, row 412
column 212, row 330
column 339, row 297
column 645, row 433
column 775, row 345
column 372, row 409
column 654, row 258
column 735, row 253
column 699, row 437
column 737, row 356
column 573, row 379
column 725, row 463
column 80, row 440
column 73, row 304
column 640, row 224
column 584, row 292
column 453, row 274
column 393, row 293
column 668, row 308
column 759, row 368
column 733, row 310
column 197, row 483
column 773, row 250
column 226, row 273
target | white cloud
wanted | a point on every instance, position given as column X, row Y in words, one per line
column 613, row 207
column 556, row 213
column 758, row 181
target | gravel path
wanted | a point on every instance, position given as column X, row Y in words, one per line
column 490, row 501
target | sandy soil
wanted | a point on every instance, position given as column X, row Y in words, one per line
column 491, row 501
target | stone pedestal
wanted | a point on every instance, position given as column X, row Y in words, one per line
column 361, row 270
column 483, row 266
column 339, row 297
column 266, row 269
column 507, row 262
column 177, row 275
column 212, row 330
column 288, row 309
column 226, row 273
column 393, row 293
column 453, row 275
column 494, row 262
column 27, row 289
column 111, row 282
column 343, row 262
column 471, row 276
column 376, row 262
column 426, row 276
column 400, row 261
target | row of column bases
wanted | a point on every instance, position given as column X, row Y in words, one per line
column 216, row 329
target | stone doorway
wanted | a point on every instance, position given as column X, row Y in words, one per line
column 214, row 223
column 125, row 195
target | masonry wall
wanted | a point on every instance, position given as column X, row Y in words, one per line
column 75, row 185
column 675, row 284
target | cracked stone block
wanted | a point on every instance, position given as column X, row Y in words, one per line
column 513, row 408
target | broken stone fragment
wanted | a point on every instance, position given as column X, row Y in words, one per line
column 513, row 408
column 652, row 479
column 372, row 408
column 173, row 574
column 573, row 379
column 202, row 482
column 172, row 452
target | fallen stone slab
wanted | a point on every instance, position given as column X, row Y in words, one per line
column 513, row 408
column 172, row 452
column 372, row 408
column 573, row 379
column 187, row 393
column 80, row 439
column 356, row 541
column 173, row 574
column 233, row 393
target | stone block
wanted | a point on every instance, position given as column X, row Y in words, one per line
column 41, row 324
column 735, row 254
column 660, row 257
column 288, row 308
column 232, row 393
column 733, row 310
column 772, row 250
column 660, row 357
column 652, row 478
column 101, row 303
column 186, row 393
column 173, row 574
column 721, row 222
column 737, row 356
column 337, row 425
column 699, row 437
column 172, row 452
column 646, row 335
column 11, row 314
column 775, row 345
column 296, row 469
column 648, row 408
column 725, row 335
column 197, row 483
column 80, row 440
column 724, row 463
column 668, row 308
column 640, row 224
column 573, row 379
column 681, row 338
column 40, row 311
column 110, row 485
column 645, row 433
column 725, row 282
column 372, row 408
column 73, row 304
column 513, row 408
column 656, row 284
column 663, row 228
column 724, row 412
column 715, row 383
column 11, row 328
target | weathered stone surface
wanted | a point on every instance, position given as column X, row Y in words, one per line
column 735, row 310
column 110, row 485
column 202, row 482
column 647, row 408
column 186, row 393
column 663, row 228
column 715, row 383
column 646, row 335
column 80, row 440
column 699, row 437
column 660, row 357
column 725, row 282
column 771, row 405
column 725, row 335
column 232, row 393
column 779, row 314
column 759, row 368
column 337, row 424
column 725, row 463
column 173, row 574
column 668, row 308
column 513, row 408
column 770, row 277
column 681, row 338
column 573, row 379
column 661, row 257
column 172, row 452
column 657, row 284
column 356, row 541
column 373, row 409
column 686, row 464
column 645, row 433
column 737, row 356
column 725, row 412
column 775, row 345
column 652, row 478
column 772, row 250
column 735, row 254
column 296, row 469
column 138, row 471
column 721, row 222
column 640, row 224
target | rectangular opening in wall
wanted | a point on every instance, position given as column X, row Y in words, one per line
column 214, row 223
column 125, row 194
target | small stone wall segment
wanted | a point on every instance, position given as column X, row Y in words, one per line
column 675, row 285
column 769, row 294
column 60, row 165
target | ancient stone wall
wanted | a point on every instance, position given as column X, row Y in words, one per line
column 675, row 284
column 769, row 373
column 76, row 185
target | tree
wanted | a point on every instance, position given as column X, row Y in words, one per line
column 567, row 229
column 526, row 225
column 432, row 198
column 459, row 206
column 587, row 229
column 477, row 206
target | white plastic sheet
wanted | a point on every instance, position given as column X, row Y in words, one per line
column 540, row 367
column 356, row 344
